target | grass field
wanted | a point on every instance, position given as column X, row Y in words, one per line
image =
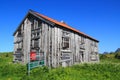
column 107, row 69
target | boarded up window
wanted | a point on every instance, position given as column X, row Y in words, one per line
column 93, row 56
column 65, row 56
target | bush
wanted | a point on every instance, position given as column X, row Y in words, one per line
column 117, row 55
column 103, row 56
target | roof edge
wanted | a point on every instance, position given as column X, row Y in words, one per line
column 34, row 13
column 31, row 12
column 21, row 23
column 63, row 25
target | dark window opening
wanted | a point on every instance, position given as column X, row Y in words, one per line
column 82, row 57
column 65, row 43
column 35, row 24
column 65, row 40
column 32, row 26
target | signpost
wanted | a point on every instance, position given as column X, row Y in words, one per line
column 35, row 60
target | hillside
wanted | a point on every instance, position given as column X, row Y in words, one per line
column 107, row 69
column 118, row 50
column 110, row 58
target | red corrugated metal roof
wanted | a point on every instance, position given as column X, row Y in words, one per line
column 63, row 25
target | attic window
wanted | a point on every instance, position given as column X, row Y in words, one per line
column 35, row 24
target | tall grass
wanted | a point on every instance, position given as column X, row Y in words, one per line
column 100, row 71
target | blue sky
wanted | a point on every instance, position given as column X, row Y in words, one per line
column 97, row 18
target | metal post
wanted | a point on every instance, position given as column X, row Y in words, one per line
column 28, row 64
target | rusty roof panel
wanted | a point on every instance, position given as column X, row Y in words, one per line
column 63, row 25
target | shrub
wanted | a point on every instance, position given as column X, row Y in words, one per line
column 117, row 55
column 103, row 56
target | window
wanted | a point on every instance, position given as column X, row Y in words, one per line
column 39, row 24
column 35, row 36
column 65, row 43
column 38, row 34
column 82, row 43
column 65, row 40
column 22, row 27
column 36, row 43
column 92, row 43
column 19, row 33
column 82, row 40
column 20, row 45
column 95, row 44
column 82, row 56
column 65, row 56
column 93, row 56
column 32, row 26
column 35, row 24
column 65, row 34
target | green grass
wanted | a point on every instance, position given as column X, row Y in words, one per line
column 109, row 58
column 107, row 69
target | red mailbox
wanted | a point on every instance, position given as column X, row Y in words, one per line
column 32, row 56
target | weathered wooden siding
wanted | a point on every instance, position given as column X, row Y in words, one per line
column 50, row 44
column 26, row 40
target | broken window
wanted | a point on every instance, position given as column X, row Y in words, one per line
column 20, row 45
column 81, row 43
column 40, row 24
column 19, row 33
column 35, row 24
column 36, row 43
column 32, row 26
column 65, row 41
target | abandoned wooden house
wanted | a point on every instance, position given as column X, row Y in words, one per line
column 39, row 37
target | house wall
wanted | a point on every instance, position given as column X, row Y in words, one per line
column 50, row 43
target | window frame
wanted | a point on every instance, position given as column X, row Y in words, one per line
column 65, row 40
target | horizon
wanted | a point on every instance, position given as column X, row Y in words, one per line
column 98, row 19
